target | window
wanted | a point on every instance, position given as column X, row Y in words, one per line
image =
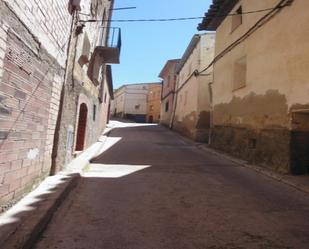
column 151, row 108
column 94, row 112
column 237, row 18
column 240, row 73
column 137, row 107
column 166, row 106
column 168, row 80
column 105, row 97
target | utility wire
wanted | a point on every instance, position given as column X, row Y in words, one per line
column 257, row 25
column 181, row 18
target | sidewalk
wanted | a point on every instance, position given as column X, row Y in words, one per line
column 21, row 225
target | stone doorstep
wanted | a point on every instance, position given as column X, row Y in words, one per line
column 22, row 225
column 299, row 182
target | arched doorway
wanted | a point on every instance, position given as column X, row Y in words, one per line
column 81, row 128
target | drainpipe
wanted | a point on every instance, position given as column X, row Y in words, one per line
column 61, row 101
column 174, row 104
column 211, row 124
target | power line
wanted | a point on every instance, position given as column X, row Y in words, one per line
column 257, row 25
column 180, row 18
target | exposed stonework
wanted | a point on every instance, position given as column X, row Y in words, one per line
column 266, row 146
column 260, row 88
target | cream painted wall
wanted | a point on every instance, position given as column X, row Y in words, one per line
column 192, row 91
column 277, row 57
column 129, row 96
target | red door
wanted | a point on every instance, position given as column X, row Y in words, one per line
column 81, row 128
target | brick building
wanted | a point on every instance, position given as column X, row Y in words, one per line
column 40, row 47
column 154, row 103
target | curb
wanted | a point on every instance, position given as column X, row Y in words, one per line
column 266, row 172
column 22, row 225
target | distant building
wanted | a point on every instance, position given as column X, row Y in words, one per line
column 130, row 101
column 168, row 75
column 192, row 111
column 154, row 103
column 261, row 81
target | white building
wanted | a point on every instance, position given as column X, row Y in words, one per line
column 130, row 101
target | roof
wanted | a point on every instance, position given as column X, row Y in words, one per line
column 194, row 41
column 217, row 12
column 134, row 84
column 167, row 64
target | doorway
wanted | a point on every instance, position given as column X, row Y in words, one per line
column 81, row 128
column 300, row 143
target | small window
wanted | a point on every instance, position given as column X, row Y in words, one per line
column 237, row 18
column 94, row 112
column 137, row 107
column 105, row 97
column 151, row 108
column 166, row 106
column 240, row 73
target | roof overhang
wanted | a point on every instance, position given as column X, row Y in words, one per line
column 194, row 41
column 166, row 66
column 216, row 13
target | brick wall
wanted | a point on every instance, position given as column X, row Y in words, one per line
column 29, row 95
column 49, row 20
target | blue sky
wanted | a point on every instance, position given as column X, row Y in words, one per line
column 147, row 46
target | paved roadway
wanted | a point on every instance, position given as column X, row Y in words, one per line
column 151, row 189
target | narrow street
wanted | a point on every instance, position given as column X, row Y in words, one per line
column 151, row 189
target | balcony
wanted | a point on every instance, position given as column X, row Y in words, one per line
column 106, row 52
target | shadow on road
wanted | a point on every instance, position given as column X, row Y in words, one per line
column 152, row 189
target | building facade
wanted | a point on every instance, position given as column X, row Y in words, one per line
column 130, row 101
column 39, row 40
column 192, row 109
column 169, row 77
column 154, row 103
column 261, row 98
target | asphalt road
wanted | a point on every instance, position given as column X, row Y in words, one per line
column 151, row 189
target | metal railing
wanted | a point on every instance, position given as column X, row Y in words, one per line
column 110, row 37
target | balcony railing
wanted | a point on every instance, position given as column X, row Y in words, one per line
column 106, row 52
column 113, row 37
column 110, row 44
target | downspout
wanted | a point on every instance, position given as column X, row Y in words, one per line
column 175, row 97
column 211, row 123
column 61, row 103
